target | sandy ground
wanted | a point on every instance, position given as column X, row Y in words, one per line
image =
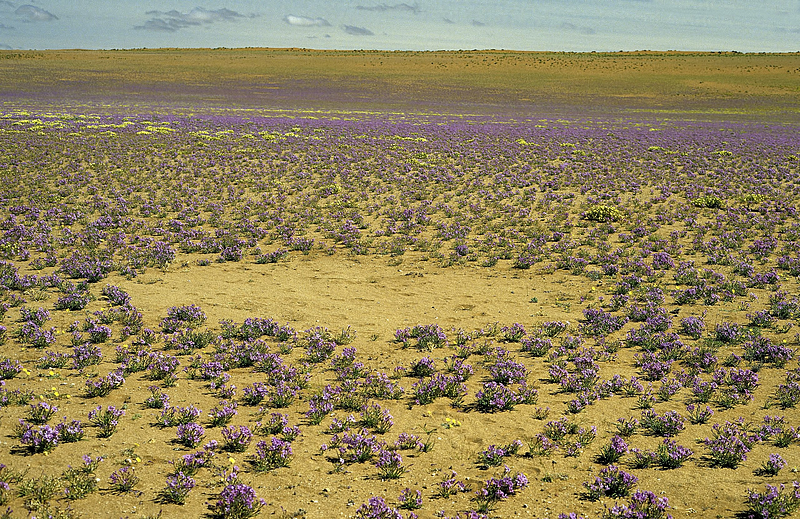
column 452, row 82
column 377, row 295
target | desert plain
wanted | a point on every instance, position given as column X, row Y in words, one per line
column 574, row 265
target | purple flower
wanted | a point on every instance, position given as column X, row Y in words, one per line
column 177, row 488
column 355, row 446
column 536, row 346
column 73, row 301
column 668, row 424
column 513, row 333
column 106, row 419
column 643, row 504
column 670, row 455
column 237, row 439
column 410, row 500
column 497, row 489
column 495, row 396
column 171, row 416
column 223, row 414
column 772, row 466
column 9, row 368
column 612, row 452
column 115, row 295
column 104, row 385
column 612, row 482
column 377, row 508
column 237, row 501
column 427, row 336
column 37, row 337
column 598, row 323
column 730, row 443
column 775, row 502
column 693, row 326
column 406, row 441
column 273, row 454
column 788, row 395
column 377, row 418
column 627, row 426
column 123, row 479
column 39, row 439
column 698, row 415
column 157, row 399
column 69, row 432
column 179, row 317
column 318, row 408
column 449, row 486
column 424, row 367
column 761, row 349
column 40, row 413
column 493, row 455
column 390, row 464
column 190, row 434
column 728, row 332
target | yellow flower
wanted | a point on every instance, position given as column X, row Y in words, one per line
column 231, row 461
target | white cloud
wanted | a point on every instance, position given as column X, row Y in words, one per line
column 357, row 31
column 31, row 13
column 172, row 21
column 305, row 21
column 582, row 29
column 384, row 7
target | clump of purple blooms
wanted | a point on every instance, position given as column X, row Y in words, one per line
column 775, row 502
column 272, row 454
column 190, row 434
column 237, row 501
column 106, row 420
column 178, row 486
column 237, row 438
column 612, row 482
column 643, row 504
column 496, row 489
column 376, row 508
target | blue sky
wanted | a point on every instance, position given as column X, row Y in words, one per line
column 570, row 25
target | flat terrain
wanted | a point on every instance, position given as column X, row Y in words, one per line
column 454, row 82
column 594, row 239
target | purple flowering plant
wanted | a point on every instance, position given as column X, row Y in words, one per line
column 496, row 489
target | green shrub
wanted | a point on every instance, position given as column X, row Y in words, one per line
column 603, row 213
column 710, row 201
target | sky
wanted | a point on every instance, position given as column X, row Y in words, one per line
column 554, row 25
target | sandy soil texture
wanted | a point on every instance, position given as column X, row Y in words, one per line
column 597, row 239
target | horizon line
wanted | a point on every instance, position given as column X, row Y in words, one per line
column 430, row 51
